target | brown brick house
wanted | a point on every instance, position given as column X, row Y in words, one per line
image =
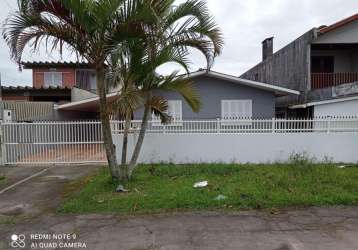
column 62, row 74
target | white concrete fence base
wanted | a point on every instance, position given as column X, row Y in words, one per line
column 243, row 148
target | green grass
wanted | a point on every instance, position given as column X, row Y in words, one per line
column 2, row 180
column 169, row 188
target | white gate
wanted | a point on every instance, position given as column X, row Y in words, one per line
column 69, row 142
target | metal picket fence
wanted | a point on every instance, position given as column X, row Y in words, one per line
column 72, row 142
column 52, row 142
column 247, row 126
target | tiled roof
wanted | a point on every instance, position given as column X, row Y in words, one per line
column 339, row 24
column 29, row 88
column 70, row 64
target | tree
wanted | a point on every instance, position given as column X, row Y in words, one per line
column 138, row 68
column 178, row 29
column 88, row 28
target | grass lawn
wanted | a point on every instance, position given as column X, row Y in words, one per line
column 2, row 179
column 168, row 188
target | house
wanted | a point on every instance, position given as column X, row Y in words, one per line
column 222, row 96
column 57, row 94
column 53, row 83
column 322, row 64
column 24, row 103
column 62, row 74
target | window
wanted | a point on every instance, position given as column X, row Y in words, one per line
column 322, row 64
column 52, row 79
column 174, row 110
column 236, row 109
column 86, row 79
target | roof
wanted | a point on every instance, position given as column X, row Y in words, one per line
column 254, row 84
column 57, row 64
column 337, row 100
column 29, row 88
column 326, row 29
column 91, row 104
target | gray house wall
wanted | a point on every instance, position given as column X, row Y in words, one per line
column 213, row 90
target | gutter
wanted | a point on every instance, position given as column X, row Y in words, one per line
column 310, row 104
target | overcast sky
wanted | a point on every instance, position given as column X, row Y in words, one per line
column 245, row 25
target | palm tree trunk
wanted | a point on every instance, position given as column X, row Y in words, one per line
column 106, row 126
column 141, row 136
column 124, row 168
column 127, row 124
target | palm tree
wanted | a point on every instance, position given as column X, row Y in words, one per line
column 187, row 26
column 132, row 96
column 89, row 28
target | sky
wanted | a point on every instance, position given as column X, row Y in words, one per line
column 245, row 24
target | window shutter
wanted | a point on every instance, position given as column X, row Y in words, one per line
column 248, row 108
column 225, row 110
column 174, row 110
column 236, row 109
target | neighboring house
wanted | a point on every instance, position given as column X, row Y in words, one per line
column 53, row 83
column 222, row 96
column 62, row 74
column 322, row 64
column 24, row 103
column 38, row 94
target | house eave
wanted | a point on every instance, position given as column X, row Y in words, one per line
column 279, row 91
column 89, row 105
column 310, row 104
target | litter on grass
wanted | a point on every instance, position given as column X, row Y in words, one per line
column 201, row 184
column 121, row 189
column 220, row 197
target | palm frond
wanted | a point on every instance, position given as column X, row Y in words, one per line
column 128, row 101
column 159, row 107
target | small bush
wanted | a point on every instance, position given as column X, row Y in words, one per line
column 301, row 159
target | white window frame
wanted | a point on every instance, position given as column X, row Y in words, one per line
column 228, row 115
column 52, row 74
column 175, row 121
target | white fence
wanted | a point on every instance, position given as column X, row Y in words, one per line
column 319, row 125
column 242, row 141
column 81, row 141
column 52, row 142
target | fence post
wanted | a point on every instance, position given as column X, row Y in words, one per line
column 218, row 125
column 273, row 125
column 2, row 146
column 328, row 126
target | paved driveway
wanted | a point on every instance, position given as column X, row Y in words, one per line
column 313, row 228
